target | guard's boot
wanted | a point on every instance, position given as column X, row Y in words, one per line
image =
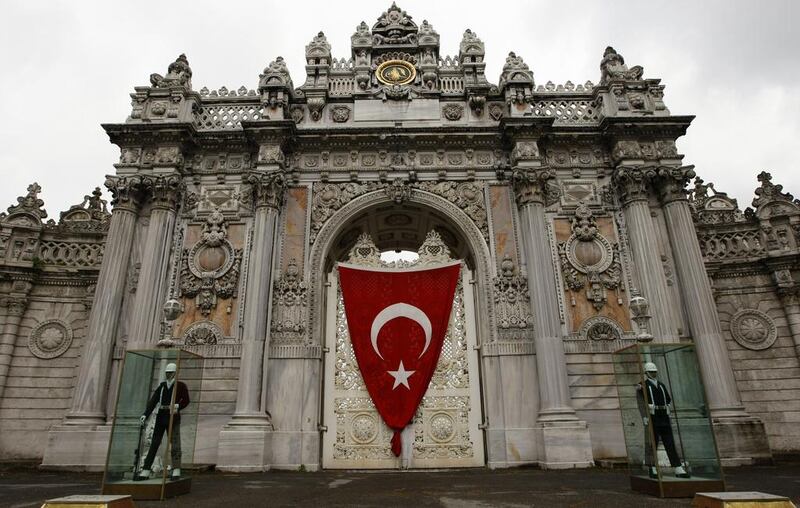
column 681, row 472
column 653, row 472
column 176, row 473
column 144, row 474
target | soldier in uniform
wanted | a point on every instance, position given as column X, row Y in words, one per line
column 162, row 401
column 654, row 401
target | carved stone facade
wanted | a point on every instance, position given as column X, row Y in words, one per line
column 563, row 201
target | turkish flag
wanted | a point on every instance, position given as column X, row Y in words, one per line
column 397, row 321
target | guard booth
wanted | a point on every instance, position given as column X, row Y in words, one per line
column 673, row 405
column 140, row 387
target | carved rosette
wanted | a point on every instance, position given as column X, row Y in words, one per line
column 534, row 186
column 269, row 189
column 50, row 339
column 290, row 307
column 202, row 333
column 210, row 269
column 753, row 329
column 589, row 260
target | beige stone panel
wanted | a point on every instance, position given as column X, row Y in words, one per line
column 295, row 227
column 503, row 222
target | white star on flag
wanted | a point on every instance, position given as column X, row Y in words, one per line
column 400, row 376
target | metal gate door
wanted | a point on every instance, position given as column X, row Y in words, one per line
column 445, row 431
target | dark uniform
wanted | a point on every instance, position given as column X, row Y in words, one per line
column 654, row 405
column 162, row 400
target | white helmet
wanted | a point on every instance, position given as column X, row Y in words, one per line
column 171, row 367
column 650, row 367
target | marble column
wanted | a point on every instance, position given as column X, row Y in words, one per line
column 634, row 186
column 741, row 438
column 15, row 310
column 245, row 442
column 164, row 193
column 82, row 439
column 88, row 400
column 564, row 438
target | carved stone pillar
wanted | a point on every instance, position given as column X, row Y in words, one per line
column 164, row 194
column 75, row 443
column 565, row 440
column 741, row 438
column 791, row 306
column 245, row 442
column 15, row 306
column 633, row 182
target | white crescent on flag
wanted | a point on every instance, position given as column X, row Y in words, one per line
column 400, row 310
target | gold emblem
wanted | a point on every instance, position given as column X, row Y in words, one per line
column 396, row 72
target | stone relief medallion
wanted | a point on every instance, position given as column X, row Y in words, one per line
column 50, row 339
column 363, row 428
column 202, row 333
column 753, row 329
column 396, row 72
column 211, row 260
column 595, row 255
column 442, row 427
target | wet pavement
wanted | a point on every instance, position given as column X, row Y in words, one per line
column 22, row 487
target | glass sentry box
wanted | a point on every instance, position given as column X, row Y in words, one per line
column 155, row 424
column 666, row 423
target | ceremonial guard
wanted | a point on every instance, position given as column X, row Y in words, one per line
column 654, row 401
column 162, row 400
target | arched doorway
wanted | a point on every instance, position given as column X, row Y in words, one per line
column 447, row 429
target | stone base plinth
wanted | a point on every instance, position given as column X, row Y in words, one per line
column 742, row 441
column 564, row 445
column 244, row 448
column 77, row 448
column 295, row 450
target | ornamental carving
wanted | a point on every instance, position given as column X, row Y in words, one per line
column 340, row 114
column 612, row 66
column 767, row 192
column 535, row 186
column 453, row 112
column 90, row 215
column 633, row 182
column 753, row 329
column 50, row 339
column 29, row 204
column 210, row 269
column 290, row 307
column 179, row 74
column 512, row 303
column 268, row 189
column 600, row 328
column 589, row 260
column 202, row 333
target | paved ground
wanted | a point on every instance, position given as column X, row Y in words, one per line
column 474, row 488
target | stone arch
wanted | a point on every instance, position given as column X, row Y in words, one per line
column 484, row 269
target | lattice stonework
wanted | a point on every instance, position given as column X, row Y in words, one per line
column 227, row 116
column 568, row 111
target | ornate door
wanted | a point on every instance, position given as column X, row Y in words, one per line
column 445, row 431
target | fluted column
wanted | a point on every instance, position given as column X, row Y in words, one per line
column 15, row 306
column 88, row 400
column 164, row 193
column 701, row 310
column 634, row 186
column 530, row 187
column 268, row 191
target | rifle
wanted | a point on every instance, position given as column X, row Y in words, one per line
column 136, row 452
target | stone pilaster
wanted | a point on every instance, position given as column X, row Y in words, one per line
column 164, row 193
column 564, row 439
column 15, row 309
column 245, row 442
column 633, row 181
column 82, row 441
column 791, row 306
column 741, row 438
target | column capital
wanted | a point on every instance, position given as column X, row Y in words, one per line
column 269, row 188
column 127, row 192
column 672, row 182
column 164, row 191
column 531, row 185
column 633, row 183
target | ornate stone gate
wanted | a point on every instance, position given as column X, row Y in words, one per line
column 446, row 430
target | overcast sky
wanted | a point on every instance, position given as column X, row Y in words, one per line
column 68, row 66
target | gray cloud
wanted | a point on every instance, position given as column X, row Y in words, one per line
column 69, row 66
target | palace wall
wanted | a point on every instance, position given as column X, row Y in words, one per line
column 569, row 204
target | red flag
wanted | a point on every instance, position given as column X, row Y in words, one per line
column 397, row 321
